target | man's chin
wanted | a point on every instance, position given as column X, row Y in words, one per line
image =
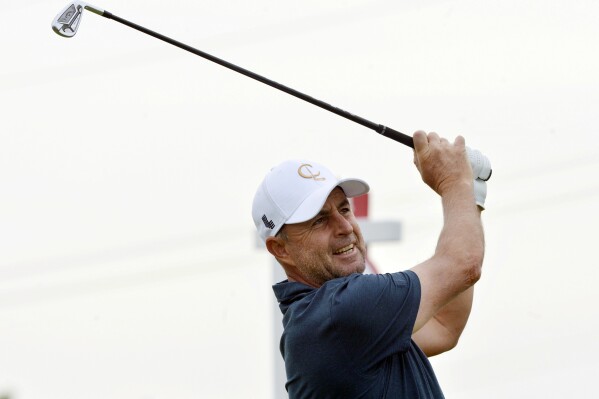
column 355, row 267
column 362, row 268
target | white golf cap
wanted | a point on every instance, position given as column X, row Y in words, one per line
column 294, row 192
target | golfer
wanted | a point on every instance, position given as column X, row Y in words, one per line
column 353, row 335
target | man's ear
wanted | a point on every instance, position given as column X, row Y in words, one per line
column 276, row 246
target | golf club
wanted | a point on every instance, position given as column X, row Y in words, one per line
column 68, row 20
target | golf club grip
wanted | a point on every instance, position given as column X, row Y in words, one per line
column 397, row 136
column 383, row 130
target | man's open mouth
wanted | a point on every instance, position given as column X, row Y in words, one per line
column 344, row 250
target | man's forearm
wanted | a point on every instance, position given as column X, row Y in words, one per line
column 462, row 237
column 454, row 315
column 460, row 243
column 451, row 319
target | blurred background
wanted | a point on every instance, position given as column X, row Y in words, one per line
column 128, row 263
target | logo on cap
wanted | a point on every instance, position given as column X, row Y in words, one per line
column 305, row 172
column 268, row 223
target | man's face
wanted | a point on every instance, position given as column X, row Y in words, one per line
column 328, row 246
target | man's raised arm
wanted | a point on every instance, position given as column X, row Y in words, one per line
column 447, row 278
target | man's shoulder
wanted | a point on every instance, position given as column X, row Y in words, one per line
column 358, row 281
column 348, row 293
column 369, row 294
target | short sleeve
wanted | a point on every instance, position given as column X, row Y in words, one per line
column 374, row 314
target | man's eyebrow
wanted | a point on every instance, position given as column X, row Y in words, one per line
column 325, row 212
column 343, row 203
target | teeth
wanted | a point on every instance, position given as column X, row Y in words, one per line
column 344, row 249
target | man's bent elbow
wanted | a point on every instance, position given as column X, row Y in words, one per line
column 452, row 343
column 473, row 266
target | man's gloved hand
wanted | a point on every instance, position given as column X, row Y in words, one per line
column 481, row 166
column 481, row 169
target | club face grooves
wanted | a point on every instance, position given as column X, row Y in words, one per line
column 67, row 21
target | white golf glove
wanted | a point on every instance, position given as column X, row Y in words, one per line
column 481, row 169
column 480, row 192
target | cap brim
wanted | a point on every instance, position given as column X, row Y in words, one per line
column 314, row 203
column 354, row 187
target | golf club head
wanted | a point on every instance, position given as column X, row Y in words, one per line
column 67, row 21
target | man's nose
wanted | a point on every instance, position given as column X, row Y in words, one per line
column 342, row 225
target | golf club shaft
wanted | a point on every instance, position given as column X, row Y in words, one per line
column 381, row 129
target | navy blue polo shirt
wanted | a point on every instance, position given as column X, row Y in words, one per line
column 351, row 338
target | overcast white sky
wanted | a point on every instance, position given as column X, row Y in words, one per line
column 127, row 168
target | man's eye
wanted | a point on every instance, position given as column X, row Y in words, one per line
column 318, row 221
